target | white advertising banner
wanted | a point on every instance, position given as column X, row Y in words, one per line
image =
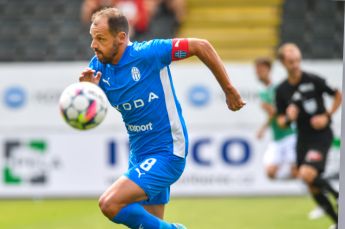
column 30, row 92
column 71, row 164
column 226, row 162
column 40, row 156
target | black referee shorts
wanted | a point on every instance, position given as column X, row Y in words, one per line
column 314, row 152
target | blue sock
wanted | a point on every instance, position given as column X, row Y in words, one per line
column 135, row 216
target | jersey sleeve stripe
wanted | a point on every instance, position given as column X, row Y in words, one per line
column 179, row 139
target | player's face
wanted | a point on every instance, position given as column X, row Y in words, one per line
column 263, row 72
column 292, row 61
column 104, row 44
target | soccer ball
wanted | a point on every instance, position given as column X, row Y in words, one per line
column 83, row 105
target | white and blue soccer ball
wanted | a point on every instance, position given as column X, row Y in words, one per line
column 83, row 105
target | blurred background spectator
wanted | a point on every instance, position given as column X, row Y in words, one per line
column 40, row 30
column 147, row 18
column 137, row 12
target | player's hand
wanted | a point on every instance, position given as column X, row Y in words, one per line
column 292, row 112
column 88, row 75
column 234, row 100
column 319, row 121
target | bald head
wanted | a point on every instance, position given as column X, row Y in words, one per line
column 289, row 49
column 290, row 56
column 116, row 21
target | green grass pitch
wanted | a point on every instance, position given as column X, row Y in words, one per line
column 195, row 213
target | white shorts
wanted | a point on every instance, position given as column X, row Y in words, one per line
column 281, row 152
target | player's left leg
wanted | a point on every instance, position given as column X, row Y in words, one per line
column 156, row 210
column 120, row 194
column 308, row 175
column 310, row 172
column 120, row 204
column 144, row 180
column 156, row 205
column 323, row 201
column 317, row 157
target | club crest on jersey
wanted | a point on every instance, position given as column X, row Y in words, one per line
column 180, row 54
column 135, row 74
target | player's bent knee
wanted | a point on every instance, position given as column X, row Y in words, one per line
column 104, row 205
column 109, row 207
column 305, row 177
column 307, row 174
column 271, row 172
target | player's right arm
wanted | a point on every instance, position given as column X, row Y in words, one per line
column 208, row 55
column 166, row 51
column 90, row 74
column 320, row 121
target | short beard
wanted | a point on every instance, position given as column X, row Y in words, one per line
column 109, row 60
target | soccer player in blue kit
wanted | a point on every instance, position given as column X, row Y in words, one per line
column 137, row 81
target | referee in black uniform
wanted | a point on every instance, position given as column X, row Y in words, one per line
column 299, row 99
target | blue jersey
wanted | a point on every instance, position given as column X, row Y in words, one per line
column 140, row 87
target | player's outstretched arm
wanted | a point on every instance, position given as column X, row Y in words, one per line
column 208, row 55
column 321, row 120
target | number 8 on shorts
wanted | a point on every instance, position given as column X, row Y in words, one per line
column 147, row 164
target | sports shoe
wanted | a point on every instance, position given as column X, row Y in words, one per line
column 316, row 213
column 179, row 226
